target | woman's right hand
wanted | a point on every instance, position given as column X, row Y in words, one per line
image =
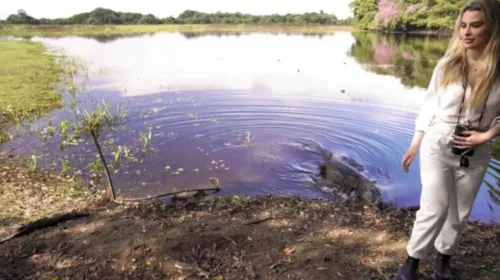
column 408, row 158
column 411, row 153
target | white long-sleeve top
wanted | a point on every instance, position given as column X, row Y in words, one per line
column 443, row 104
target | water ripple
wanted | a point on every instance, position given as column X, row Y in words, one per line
column 201, row 107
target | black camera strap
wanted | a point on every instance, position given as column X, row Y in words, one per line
column 464, row 84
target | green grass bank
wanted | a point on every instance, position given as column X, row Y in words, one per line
column 27, row 78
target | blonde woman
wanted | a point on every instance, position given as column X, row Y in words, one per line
column 454, row 129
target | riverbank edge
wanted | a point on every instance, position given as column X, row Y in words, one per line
column 23, row 30
column 32, row 73
column 226, row 236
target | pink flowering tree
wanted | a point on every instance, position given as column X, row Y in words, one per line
column 384, row 51
column 412, row 9
column 389, row 14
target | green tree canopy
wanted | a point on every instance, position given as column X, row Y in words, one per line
column 405, row 15
column 107, row 16
column 22, row 17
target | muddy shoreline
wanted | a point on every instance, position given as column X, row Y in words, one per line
column 239, row 237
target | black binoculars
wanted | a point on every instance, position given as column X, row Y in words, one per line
column 464, row 153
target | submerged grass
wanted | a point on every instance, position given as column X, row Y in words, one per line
column 100, row 30
column 27, row 76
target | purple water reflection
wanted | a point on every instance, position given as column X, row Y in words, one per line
column 297, row 97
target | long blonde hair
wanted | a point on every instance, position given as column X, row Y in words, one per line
column 455, row 63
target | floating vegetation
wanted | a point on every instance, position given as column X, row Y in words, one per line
column 117, row 154
column 95, row 165
column 157, row 110
column 68, row 140
column 72, row 88
column 249, row 139
column 158, row 100
column 145, row 138
column 31, row 162
column 179, row 171
column 218, row 164
column 64, row 166
column 50, row 129
column 63, row 126
column 5, row 137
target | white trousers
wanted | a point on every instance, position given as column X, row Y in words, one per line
column 448, row 192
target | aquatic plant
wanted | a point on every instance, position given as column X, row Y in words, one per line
column 64, row 166
column 31, row 162
column 5, row 137
column 63, row 126
column 93, row 123
column 145, row 138
column 117, row 154
column 249, row 139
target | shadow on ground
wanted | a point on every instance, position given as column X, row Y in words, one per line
column 235, row 238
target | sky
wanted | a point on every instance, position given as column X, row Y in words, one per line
column 161, row 8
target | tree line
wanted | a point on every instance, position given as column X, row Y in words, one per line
column 107, row 16
column 406, row 15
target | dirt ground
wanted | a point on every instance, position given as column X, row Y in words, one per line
column 218, row 238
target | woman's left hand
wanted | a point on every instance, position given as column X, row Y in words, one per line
column 470, row 139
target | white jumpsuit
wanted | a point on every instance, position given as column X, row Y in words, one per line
column 448, row 190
